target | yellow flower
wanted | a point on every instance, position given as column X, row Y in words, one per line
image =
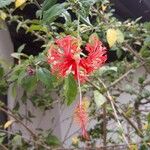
column 75, row 140
column 104, row 7
column 145, row 126
column 133, row 147
column 85, row 103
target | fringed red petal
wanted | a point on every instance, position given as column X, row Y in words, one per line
column 64, row 56
column 81, row 117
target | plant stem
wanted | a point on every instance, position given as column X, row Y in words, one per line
column 104, row 126
column 18, row 120
column 78, row 69
column 116, row 108
column 25, row 138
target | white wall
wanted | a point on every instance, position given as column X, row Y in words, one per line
column 6, row 48
column 43, row 119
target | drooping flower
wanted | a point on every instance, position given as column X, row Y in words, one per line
column 96, row 55
column 81, row 117
column 64, row 57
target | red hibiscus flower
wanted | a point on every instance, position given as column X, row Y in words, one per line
column 81, row 117
column 96, row 57
column 64, row 57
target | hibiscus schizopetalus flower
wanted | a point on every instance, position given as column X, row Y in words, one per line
column 64, row 56
column 81, row 117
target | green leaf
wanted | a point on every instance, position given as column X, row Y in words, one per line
column 21, row 76
column 88, row 2
column 3, row 86
column 29, row 83
column 119, row 53
column 2, row 137
column 99, row 99
column 70, row 89
column 20, row 49
column 1, row 72
column 145, row 51
column 148, row 118
column 141, row 80
column 48, row 4
column 18, row 55
column 37, row 28
column 45, row 77
column 52, row 140
column 120, row 36
column 14, row 89
column 85, row 20
column 4, row 3
column 17, row 140
column 51, row 14
column 143, row 147
column 107, row 69
column 39, row 14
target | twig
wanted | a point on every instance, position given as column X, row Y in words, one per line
column 137, row 114
column 121, row 78
column 71, row 135
column 3, row 147
column 37, row 4
column 112, row 104
column 27, row 28
column 121, row 113
column 104, row 126
column 109, row 97
column 71, row 122
column 18, row 120
column 30, row 140
column 130, row 49
column 144, row 103
column 125, row 75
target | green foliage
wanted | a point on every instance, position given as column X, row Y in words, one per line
column 45, row 77
column 2, row 137
column 37, row 28
column 4, row 3
column 120, row 36
column 48, row 4
column 52, row 140
column 145, row 48
column 53, row 12
column 19, row 55
column 1, row 72
column 17, row 141
column 29, row 83
column 88, row 2
column 3, row 87
column 70, row 89
column 99, row 99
